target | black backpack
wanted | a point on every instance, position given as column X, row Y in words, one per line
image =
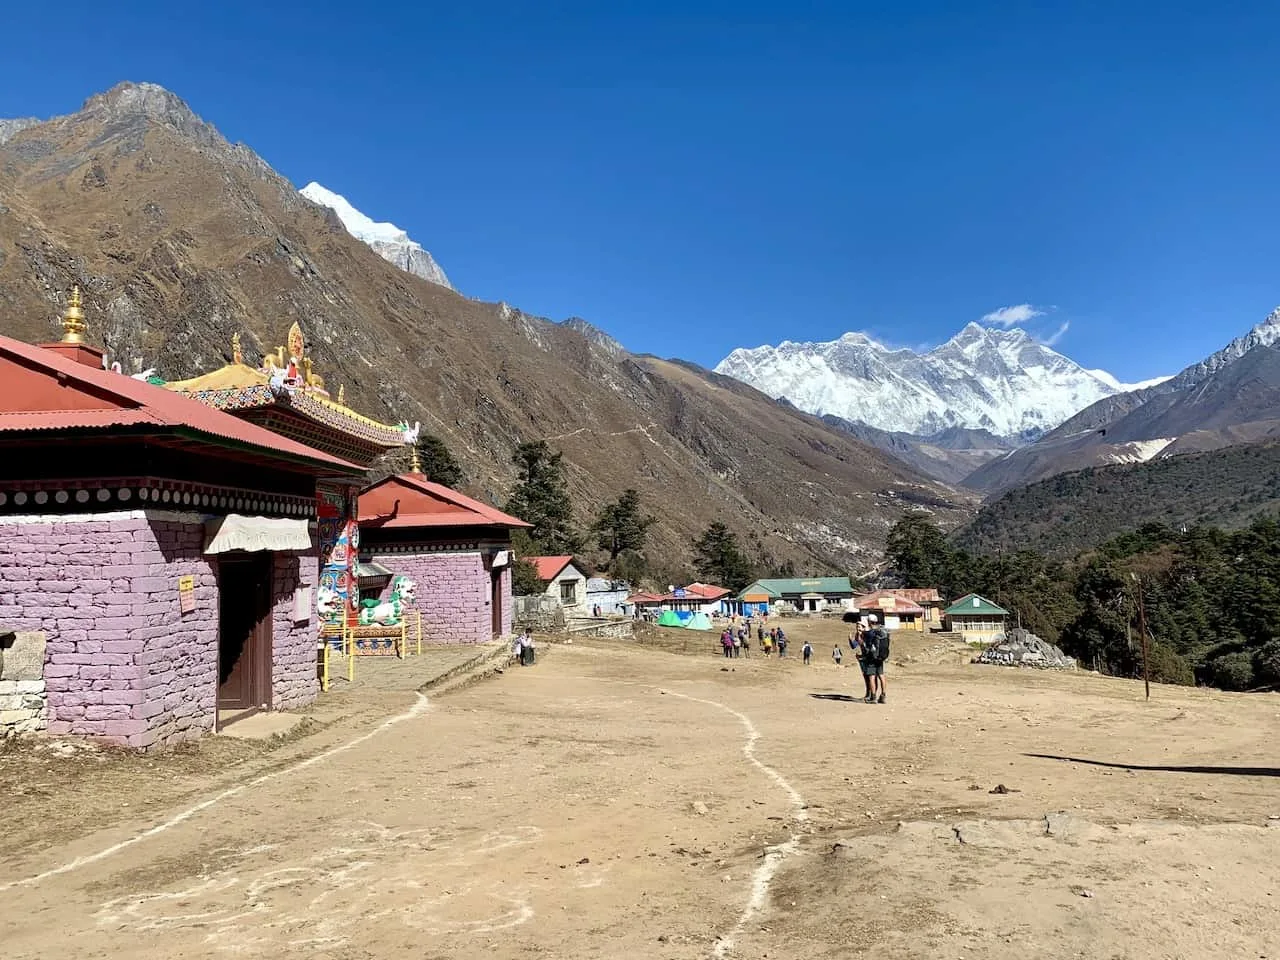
column 878, row 644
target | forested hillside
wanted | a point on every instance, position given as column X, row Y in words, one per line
column 1211, row 597
column 1071, row 512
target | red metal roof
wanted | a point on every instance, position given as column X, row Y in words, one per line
column 409, row 500
column 45, row 391
column 895, row 603
column 698, row 591
column 917, row 594
column 549, row 567
column 645, row 598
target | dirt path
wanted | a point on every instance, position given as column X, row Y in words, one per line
column 628, row 803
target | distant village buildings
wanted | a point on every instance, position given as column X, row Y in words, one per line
column 976, row 619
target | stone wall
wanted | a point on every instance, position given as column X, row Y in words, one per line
column 177, row 653
column 293, row 643
column 540, row 612
column 453, row 594
column 122, row 661
column 23, row 702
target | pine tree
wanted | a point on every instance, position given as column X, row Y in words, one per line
column 719, row 560
column 541, row 498
column 621, row 526
column 438, row 463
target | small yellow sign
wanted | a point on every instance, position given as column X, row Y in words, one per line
column 186, row 594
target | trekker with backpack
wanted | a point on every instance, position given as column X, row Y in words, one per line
column 875, row 653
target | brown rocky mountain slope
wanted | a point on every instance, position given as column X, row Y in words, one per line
column 180, row 239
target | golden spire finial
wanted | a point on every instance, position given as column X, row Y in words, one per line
column 73, row 325
column 342, row 394
column 415, row 465
column 236, row 355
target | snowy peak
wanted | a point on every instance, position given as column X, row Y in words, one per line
column 983, row 378
column 388, row 240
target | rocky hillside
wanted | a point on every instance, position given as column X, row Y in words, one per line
column 181, row 239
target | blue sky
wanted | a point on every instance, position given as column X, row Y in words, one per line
column 693, row 177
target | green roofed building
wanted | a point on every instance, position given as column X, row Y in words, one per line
column 975, row 618
column 805, row 594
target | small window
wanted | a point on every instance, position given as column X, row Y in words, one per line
column 569, row 591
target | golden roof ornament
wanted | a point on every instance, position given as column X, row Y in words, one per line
column 415, row 462
column 236, row 355
column 73, row 325
column 295, row 342
column 342, row 394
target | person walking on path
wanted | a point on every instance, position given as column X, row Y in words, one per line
column 746, row 644
column 807, row 652
column 837, row 654
column 517, row 649
column 737, row 644
column 527, row 652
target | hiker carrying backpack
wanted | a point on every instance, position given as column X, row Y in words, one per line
column 878, row 644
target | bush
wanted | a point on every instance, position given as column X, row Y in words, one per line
column 1266, row 662
column 1232, row 671
column 1168, row 667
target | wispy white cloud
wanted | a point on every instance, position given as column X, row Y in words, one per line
column 1011, row 316
column 1057, row 335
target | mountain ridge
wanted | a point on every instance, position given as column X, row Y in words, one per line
column 389, row 241
column 1001, row 381
column 1230, row 397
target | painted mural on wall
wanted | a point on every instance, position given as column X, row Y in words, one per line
column 339, row 538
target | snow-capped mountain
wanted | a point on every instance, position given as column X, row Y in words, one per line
column 1002, row 381
column 390, row 242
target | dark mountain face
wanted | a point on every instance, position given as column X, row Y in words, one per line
column 180, row 239
column 1231, row 397
column 949, row 456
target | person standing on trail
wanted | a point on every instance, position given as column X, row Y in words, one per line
column 855, row 638
column 837, row 654
column 746, row 644
column 517, row 651
column 865, row 655
column 737, row 644
column 527, row 653
column 726, row 640
column 807, row 652
column 876, row 641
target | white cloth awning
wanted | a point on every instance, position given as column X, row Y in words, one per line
column 237, row 532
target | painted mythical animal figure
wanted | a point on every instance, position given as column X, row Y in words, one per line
column 326, row 602
column 388, row 612
column 404, row 589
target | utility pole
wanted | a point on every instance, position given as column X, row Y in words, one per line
column 1142, row 629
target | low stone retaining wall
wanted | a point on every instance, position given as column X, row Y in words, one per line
column 616, row 629
column 542, row 613
column 24, row 704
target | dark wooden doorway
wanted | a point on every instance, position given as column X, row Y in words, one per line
column 495, row 599
column 244, row 633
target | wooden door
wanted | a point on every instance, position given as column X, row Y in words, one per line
column 495, row 600
column 244, row 631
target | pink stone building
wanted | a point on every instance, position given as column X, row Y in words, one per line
column 165, row 550
column 458, row 550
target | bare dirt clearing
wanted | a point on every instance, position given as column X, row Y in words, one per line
column 621, row 801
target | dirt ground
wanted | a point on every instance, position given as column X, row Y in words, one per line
column 618, row 799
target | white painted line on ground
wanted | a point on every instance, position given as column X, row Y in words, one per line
column 417, row 709
column 773, row 856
